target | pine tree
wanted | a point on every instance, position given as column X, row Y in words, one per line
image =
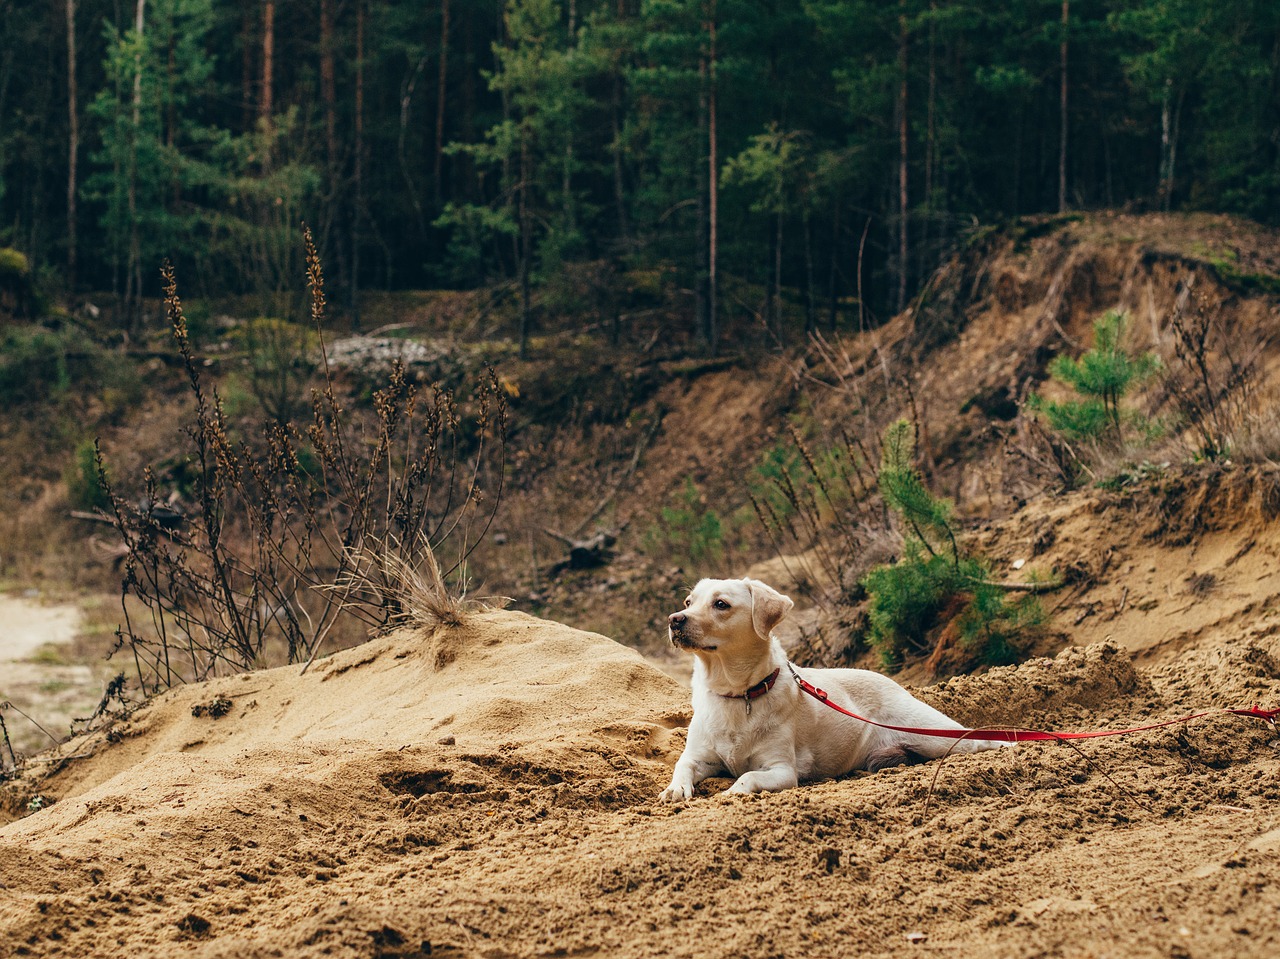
column 1102, row 376
column 907, row 597
column 171, row 184
column 538, row 74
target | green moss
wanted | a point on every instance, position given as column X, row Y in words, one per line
column 1232, row 275
column 14, row 263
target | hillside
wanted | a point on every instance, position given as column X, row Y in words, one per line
column 489, row 789
column 960, row 363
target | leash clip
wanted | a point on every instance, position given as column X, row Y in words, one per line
column 812, row 690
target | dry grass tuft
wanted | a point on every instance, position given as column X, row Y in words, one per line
column 408, row 583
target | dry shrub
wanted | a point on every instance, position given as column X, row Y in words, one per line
column 409, row 584
column 823, row 515
column 1214, row 376
column 311, row 525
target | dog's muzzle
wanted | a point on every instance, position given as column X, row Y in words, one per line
column 676, row 624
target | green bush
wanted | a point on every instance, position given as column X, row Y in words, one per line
column 33, row 365
column 84, row 490
column 688, row 533
column 14, row 264
column 20, row 287
column 278, row 364
column 1102, row 377
column 907, row 598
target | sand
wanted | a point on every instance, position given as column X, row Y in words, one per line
column 28, row 625
column 490, row 791
column 35, row 677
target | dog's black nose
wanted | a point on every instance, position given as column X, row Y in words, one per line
column 677, row 620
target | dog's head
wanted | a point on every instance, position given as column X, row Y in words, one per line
column 731, row 617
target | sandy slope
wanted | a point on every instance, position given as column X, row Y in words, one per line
column 51, row 691
column 488, row 791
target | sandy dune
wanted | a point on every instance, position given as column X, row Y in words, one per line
column 489, row 791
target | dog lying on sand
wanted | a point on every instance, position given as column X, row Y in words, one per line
column 750, row 717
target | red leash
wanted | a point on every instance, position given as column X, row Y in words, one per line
column 1025, row 735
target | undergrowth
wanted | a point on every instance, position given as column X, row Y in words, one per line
column 818, row 509
column 688, row 534
column 1214, row 377
column 305, row 523
column 907, row 598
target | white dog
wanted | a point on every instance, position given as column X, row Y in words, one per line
column 751, row 718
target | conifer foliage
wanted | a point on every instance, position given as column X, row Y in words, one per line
column 827, row 152
column 1102, row 377
column 935, row 583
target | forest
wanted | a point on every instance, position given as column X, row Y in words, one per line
column 827, row 152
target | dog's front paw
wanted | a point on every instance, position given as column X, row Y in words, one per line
column 676, row 792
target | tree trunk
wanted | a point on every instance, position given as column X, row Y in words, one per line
column 777, row 278
column 713, row 189
column 833, row 268
column 566, row 172
column 331, row 238
column 616, row 108
column 171, row 122
column 810, row 305
column 329, row 91
column 247, row 98
column 1170, row 115
column 73, row 143
column 930, row 150
column 1173, row 146
column 406, row 104
column 1166, row 137
column 133, row 274
column 526, row 242
column 903, row 207
column 266, row 106
column 1062, row 110
column 702, row 246
column 357, row 174
column 441, row 102
column 931, row 109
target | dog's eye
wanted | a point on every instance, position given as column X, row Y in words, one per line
column 687, row 601
column 720, row 604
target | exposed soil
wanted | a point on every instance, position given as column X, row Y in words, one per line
column 490, row 790
column 35, row 674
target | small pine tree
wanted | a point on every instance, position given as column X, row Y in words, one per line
column 1103, row 376
column 928, row 518
column 907, row 597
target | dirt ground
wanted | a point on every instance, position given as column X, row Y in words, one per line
column 490, row 791
column 35, row 675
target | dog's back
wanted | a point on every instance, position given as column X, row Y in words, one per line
column 840, row 743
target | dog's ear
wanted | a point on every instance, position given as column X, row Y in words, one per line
column 768, row 606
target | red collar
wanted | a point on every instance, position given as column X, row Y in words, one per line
column 758, row 690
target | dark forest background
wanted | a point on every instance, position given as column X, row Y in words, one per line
column 834, row 149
